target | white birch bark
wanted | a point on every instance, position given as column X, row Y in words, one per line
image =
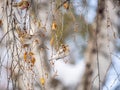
column 100, row 46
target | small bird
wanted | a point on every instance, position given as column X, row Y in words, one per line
column 22, row 4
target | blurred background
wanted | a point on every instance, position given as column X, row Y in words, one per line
column 59, row 45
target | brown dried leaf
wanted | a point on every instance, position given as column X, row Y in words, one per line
column 52, row 41
column 22, row 5
column 1, row 23
column 25, row 56
column 54, row 26
column 42, row 81
column 66, row 5
column 33, row 61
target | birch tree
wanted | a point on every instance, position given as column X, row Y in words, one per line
column 33, row 34
column 100, row 47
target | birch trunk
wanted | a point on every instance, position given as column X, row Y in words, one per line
column 100, row 46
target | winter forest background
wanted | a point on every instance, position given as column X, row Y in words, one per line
column 59, row 44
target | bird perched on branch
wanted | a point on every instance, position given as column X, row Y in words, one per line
column 22, row 4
